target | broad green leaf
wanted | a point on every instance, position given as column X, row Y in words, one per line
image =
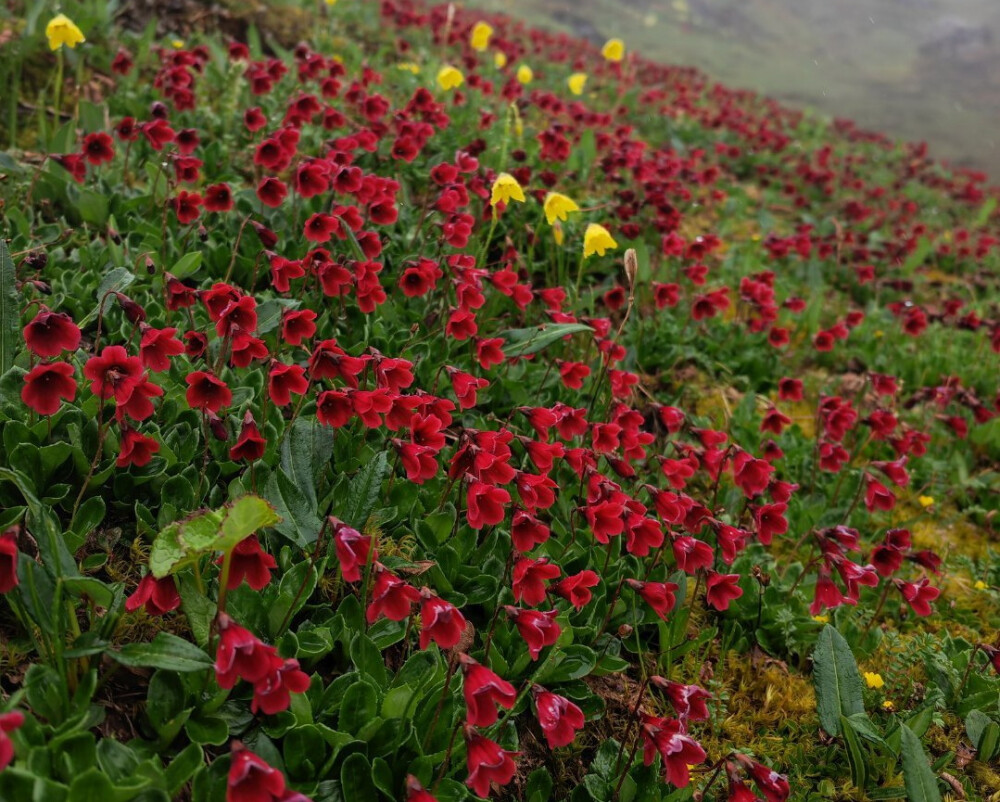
column 115, row 280
column 305, row 451
column 165, row 651
column 921, row 784
column 187, row 265
column 522, row 342
column 9, row 315
column 242, row 518
column 855, row 755
column 984, row 733
column 838, row 682
column 299, row 520
column 364, row 490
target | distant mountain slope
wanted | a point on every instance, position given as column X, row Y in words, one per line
column 916, row 69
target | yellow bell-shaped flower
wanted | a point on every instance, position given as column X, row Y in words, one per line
column 506, row 189
column 450, row 77
column 613, row 50
column 480, row 37
column 597, row 239
column 499, row 60
column 557, row 206
column 576, row 82
column 525, row 74
column 61, row 30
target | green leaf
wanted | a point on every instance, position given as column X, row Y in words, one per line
column 242, row 518
column 356, row 778
column 187, row 265
column 165, row 651
column 364, row 491
column 183, row 767
column 855, row 755
column 88, row 517
column 91, row 786
column 115, row 280
column 522, row 342
column 9, row 305
column 305, row 452
column 358, row 707
column 984, row 734
column 838, row 682
column 299, row 521
column 921, row 784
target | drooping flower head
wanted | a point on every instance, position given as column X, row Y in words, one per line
column 557, row 206
column 61, row 30
column 576, row 82
column 449, row 78
column 613, row 50
column 480, row 36
column 506, row 188
column 597, row 239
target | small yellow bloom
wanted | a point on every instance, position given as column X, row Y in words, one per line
column 879, row 334
column 613, row 50
column 450, row 77
column 330, row 2
column 177, row 44
column 506, row 189
column 525, row 74
column 980, row 585
column 873, row 680
column 888, row 705
column 926, row 501
column 557, row 206
column 499, row 60
column 597, row 239
column 576, row 82
column 409, row 66
column 557, row 233
column 821, row 619
column 61, row 30
column 480, row 38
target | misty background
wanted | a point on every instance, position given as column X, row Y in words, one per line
column 920, row 70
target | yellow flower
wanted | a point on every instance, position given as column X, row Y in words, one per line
column 499, row 60
column 506, row 189
column 576, row 82
column 450, row 77
column 874, row 680
column 331, row 2
column 613, row 50
column 525, row 74
column 557, row 206
column 888, row 705
column 980, row 585
column 480, row 38
column 821, row 619
column 409, row 66
column 61, row 30
column 926, row 501
column 557, row 233
column 177, row 44
column 597, row 239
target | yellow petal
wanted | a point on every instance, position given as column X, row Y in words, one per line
column 613, row 50
column 61, row 30
column 480, row 37
column 557, row 206
column 506, row 188
column 597, row 239
column 525, row 74
column 450, row 77
column 576, row 82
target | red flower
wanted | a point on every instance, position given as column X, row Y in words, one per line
column 158, row 133
column 158, row 596
column 440, row 621
column 689, row 701
column 483, row 691
column 252, row 780
column 466, row 386
column 157, row 346
column 218, row 198
column 721, row 589
column 98, row 148
column 320, row 227
column 240, row 655
column 8, row 723
column 789, row 389
column 529, row 579
column 136, row 449
column 206, row 392
column 186, row 206
column 658, row 595
column 877, row 495
column 283, row 380
column 774, row 786
column 51, row 333
column 538, row 629
column 918, row 595
column 678, row 750
column 272, row 694
column 114, row 373
column 353, row 550
column 391, row 596
column 576, row 588
column 297, row 326
column 490, row 352
column 122, row 63
column 558, row 717
column 250, row 562
column 8, row 561
column 272, row 192
column 770, row 520
column 250, row 445
column 415, row 791
column 527, row 531
column 487, row 762
column 74, row 164
column 46, row 384
column 486, row 505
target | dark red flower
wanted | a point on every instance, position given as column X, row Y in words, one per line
column 486, row 505
column 658, row 595
column 529, row 579
column 136, row 449
column 114, row 373
column 352, row 550
column 249, row 562
column 157, row 346
column 391, row 596
column 250, row 445
column 576, row 588
column 207, row 392
column 918, row 595
column 558, row 717
column 440, row 621
column 283, row 380
column 415, row 791
column 158, row 596
column 538, row 629
column 252, row 780
column 240, row 655
column 721, row 589
column 272, row 694
column 8, row 561
column 187, row 206
column 8, row 723
column 47, row 383
column 98, row 148
column 51, row 333
column 689, row 701
column 677, row 749
column 218, row 198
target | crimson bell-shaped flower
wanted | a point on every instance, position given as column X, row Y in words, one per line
column 250, row 445
column 576, row 588
column 415, row 791
column 440, row 621
column 877, row 495
column 538, row 629
column 8, row 561
column 774, row 786
column 918, row 595
column 487, row 762
column 114, row 373
column 352, row 550
column 721, row 589
column 46, row 386
column 272, row 694
column 240, row 655
column 391, row 596
column 51, row 333
column 251, row 779
column 157, row 596
column 207, row 392
column 658, row 595
column 678, row 750
column 558, row 717
column 529, row 579
column 157, row 346
column 483, row 691
column 486, row 504
column 8, row 723
column 689, row 701
column 249, row 562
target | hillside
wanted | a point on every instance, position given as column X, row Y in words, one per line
column 401, row 401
